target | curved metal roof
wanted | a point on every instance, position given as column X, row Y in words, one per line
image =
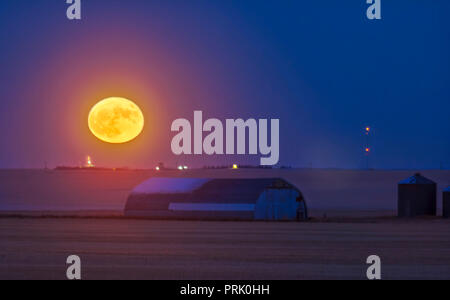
column 202, row 189
column 169, row 185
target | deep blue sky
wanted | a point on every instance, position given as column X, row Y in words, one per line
column 320, row 67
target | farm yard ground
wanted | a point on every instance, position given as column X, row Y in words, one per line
column 37, row 248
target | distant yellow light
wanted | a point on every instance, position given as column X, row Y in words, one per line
column 185, row 167
column 367, row 150
column 180, row 168
column 158, row 168
column 89, row 163
column 235, row 167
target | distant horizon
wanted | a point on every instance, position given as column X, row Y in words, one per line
column 173, row 168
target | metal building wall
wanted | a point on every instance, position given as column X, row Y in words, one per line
column 417, row 200
column 446, row 203
column 277, row 205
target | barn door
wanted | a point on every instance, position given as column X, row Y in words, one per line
column 284, row 202
column 277, row 205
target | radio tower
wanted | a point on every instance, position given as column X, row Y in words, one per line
column 367, row 147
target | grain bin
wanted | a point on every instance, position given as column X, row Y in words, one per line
column 417, row 197
column 446, row 203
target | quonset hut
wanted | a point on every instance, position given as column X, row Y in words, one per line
column 217, row 199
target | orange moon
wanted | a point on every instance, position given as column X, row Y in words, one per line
column 116, row 120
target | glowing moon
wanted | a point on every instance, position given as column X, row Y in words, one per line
column 116, row 120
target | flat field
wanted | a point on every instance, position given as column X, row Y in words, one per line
column 142, row 249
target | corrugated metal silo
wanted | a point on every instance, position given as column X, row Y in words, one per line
column 446, row 203
column 417, row 197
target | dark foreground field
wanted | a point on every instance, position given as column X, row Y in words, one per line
column 140, row 249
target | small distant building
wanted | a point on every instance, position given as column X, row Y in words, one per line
column 417, row 197
column 217, row 199
column 446, row 203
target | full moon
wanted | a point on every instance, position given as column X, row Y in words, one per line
column 116, row 120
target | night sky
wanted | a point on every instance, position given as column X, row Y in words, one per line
column 321, row 67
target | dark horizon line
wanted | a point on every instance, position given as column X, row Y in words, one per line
column 124, row 169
